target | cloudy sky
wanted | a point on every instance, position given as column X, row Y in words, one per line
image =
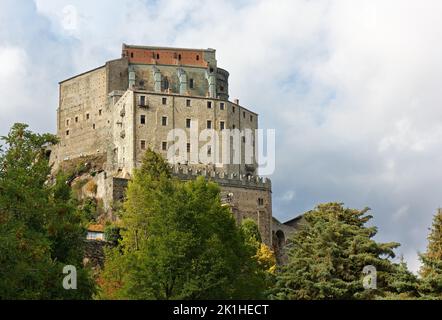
column 353, row 88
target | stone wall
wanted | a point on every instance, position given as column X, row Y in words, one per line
column 83, row 115
column 131, row 137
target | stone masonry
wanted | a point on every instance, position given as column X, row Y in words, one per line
column 130, row 104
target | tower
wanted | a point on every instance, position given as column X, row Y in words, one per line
column 109, row 116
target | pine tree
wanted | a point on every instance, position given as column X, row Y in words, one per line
column 327, row 257
column 431, row 270
column 404, row 285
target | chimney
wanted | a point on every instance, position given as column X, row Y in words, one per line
column 236, row 101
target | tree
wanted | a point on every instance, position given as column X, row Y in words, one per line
column 178, row 242
column 327, row 256
column 404, row 284
column 431, row 270
column 264, row 256
column 40, row 230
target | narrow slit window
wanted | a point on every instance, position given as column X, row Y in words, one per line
column 142, row 100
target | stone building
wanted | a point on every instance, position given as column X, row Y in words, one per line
column 118, row 110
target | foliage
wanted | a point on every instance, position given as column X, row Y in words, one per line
column 431, row 271
column 89, row 209
column 178, row 242
column 266, row 258
column 262, row 253
column 91, row 187
column 251, row 231
column 328, row 254
column 112, row 234
column 40, row 229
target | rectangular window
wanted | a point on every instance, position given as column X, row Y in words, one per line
column 100, row 112
column 260, row 201
column 233, row 109
column 93, row 126
column 164, row 146
column 209, row 124
column 243, row 114
column 233, row 127
column 67, row 132
column 188, row 103
column 164, row 121
column 142, row 100
column 188, row 147
column 191, row 83
column 187, row 123
column 143, row 145
column 221, row 125
column 142, row 119
column 164, row 100
column 76, row 119
column 87, row 116
column 67, row 122
column 251, row 118
column 209, row 104
column 221, row 106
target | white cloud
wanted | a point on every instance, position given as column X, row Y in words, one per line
column 12, row 63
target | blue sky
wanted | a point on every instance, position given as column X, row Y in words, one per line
column 351, row 87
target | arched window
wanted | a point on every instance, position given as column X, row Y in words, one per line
column 281, row 238
column 165, row 83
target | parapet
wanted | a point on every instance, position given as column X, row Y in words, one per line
column 184, row 172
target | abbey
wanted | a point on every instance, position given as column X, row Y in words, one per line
column 108, row 117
